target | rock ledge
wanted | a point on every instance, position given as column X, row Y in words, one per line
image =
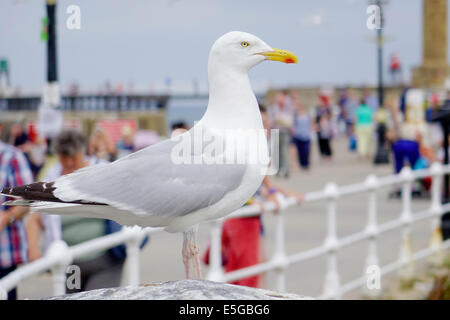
column 181, row 290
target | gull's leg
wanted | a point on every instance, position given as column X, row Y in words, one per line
column 197, row 266
column 191, row 252
column 186, row 254
column 195, row 253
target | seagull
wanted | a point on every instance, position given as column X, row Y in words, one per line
column 152, row 187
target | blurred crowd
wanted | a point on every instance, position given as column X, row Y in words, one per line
column 299, row 125
column 404, row 126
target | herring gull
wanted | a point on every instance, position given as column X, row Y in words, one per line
column 151, row 187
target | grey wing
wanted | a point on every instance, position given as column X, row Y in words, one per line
column 149, row 182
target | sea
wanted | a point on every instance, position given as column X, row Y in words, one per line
column 189, row 110
column 185, row 110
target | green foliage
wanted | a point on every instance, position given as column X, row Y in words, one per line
column 446, row 287
column 446, row 263
column 408, row 284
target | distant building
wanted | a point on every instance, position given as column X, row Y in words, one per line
column 434, row 70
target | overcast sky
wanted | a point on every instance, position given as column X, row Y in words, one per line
column 145, row 42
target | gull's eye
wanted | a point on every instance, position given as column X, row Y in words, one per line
column 245, row 44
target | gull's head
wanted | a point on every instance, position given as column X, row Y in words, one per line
column 243, row 51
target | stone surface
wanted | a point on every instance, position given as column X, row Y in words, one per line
column 181, row 290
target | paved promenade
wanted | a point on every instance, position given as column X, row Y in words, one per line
column 305, row 228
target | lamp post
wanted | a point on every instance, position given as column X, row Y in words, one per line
column 382, row 155
column 379, row 3
column 52, row 70
column 50, row 118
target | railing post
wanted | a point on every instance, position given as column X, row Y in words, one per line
column 372, row 290
column 279, row 257
column 215, row 272
column 3, row 294
column 436, row 210
column 60, row 251
column 133, row 252
column 332, row 282
column 406, row 270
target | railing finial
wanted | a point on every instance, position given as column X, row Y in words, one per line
column 331, row 190
column 371, row 181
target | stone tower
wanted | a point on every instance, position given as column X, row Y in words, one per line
column 434, row 69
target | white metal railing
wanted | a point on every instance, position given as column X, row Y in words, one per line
column 60, row 256
column 332, row 244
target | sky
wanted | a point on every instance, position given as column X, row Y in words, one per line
column 142, row 43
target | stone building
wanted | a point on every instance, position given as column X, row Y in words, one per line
column 434, row 70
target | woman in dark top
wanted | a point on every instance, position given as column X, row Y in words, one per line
column 324, row 127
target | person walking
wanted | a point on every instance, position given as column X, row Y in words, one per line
column 324, row 127
column 302, row 135
column 364, row 129
column 281, row 117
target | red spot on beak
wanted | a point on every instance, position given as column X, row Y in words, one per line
column 289, row 60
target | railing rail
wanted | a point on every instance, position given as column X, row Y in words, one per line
column 59, row 255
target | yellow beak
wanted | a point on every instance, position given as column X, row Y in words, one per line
column 280, row 55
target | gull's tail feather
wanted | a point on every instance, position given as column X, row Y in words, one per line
column 40, row 198
column 38, row 191
column 34, row 191
column 81, row 210
column 47, row 206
